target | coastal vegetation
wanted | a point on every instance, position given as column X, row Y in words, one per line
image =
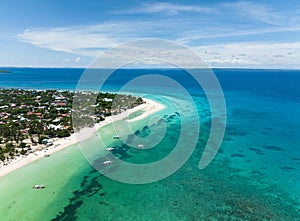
column 31, row 119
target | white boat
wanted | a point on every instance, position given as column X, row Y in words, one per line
column 38, row 186
column 107, row 163
column 141, row 146
column 110, row 149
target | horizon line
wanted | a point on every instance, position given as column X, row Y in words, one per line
column 157, row 68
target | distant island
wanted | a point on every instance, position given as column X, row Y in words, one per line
column 5, row 71
column 31, row 119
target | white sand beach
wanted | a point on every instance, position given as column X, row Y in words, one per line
column 148, row 108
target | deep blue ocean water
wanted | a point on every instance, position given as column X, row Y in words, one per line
column 256, row 173
column 273, row 83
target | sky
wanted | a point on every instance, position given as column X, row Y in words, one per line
column 72, row 33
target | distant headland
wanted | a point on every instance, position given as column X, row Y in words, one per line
column 5, row 71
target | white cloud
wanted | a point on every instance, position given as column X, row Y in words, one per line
column 93, row 39
column 90, row 40
column 87, row 40
column 252, row 54
column 189, row 38
column 168, row 8
column 256, row 11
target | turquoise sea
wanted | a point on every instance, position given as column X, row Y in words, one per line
column 254, row 176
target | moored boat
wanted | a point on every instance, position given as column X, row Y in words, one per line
column 38, row 186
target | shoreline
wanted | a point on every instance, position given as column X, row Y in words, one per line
column 149, row 108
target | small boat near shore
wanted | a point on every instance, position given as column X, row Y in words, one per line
column 117, row 137
column 140, row 146
column 107, row 163
column 109, row 149
column 38, row 186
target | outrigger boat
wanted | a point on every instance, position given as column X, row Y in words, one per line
column 38, row 186
column 140, row 146
column 107, row 163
